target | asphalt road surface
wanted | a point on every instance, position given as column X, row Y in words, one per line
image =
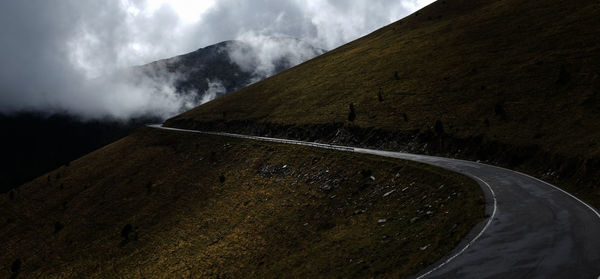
column 534, row 229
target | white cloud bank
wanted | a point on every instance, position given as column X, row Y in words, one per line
column 63, row 55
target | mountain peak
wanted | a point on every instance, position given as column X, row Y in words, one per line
column 224, row 67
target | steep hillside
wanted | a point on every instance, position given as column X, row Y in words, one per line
column 161, row 204
column 513, row 82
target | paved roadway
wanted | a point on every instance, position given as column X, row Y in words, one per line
column 535, row 230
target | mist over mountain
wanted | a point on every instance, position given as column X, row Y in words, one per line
column 185, row 81
column 63, row 56
column 213, row 71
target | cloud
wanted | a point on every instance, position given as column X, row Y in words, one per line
column 131, row 93
column 53, row 52
column 63, row 55
column 263, row 55
column 215, row 88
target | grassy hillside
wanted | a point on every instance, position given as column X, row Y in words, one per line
column 164, row 204
column 515, row 82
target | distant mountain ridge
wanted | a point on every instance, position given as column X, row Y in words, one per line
column 214, row 71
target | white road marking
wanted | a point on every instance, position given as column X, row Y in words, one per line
column 472, row 240
column 537, row 179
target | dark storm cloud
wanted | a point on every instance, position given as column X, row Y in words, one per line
column 63, row 55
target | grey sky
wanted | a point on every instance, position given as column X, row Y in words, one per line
column 51, row 52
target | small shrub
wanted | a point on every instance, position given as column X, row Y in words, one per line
column 352, row 113
column 563, row 76
column 222, row 178
column 439, row 127
column 126, row 231
column 58, row 226
column 366, row 173
column 379, row 96
column 405, row 116
column 396, row 76
column 500, row 112
column 15, row 267
column 149, row 188
column 128, row 235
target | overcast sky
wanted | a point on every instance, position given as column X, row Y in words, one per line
column 51, row 52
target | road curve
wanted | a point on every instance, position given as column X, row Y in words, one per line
column 535, row 230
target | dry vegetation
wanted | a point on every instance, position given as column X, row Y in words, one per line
column 166, row 204
column 514, row 79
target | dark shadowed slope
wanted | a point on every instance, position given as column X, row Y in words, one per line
column 516, row 82
column 35, row 143
column 534, row 230
column 163, row 204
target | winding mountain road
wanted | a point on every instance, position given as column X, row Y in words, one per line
column 535, row 230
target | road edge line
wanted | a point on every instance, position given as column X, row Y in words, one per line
column 489, row 222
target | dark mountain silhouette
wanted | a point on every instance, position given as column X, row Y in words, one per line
column 194, row 72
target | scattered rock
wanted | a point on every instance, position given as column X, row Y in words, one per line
column 359, row 211
column 414, row 219
column 58, row 226
column 388, row 193
column 382, row 220
column 15, row 267
column 424, row 247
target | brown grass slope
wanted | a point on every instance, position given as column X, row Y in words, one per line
column 514, row 81
column 161, row 204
